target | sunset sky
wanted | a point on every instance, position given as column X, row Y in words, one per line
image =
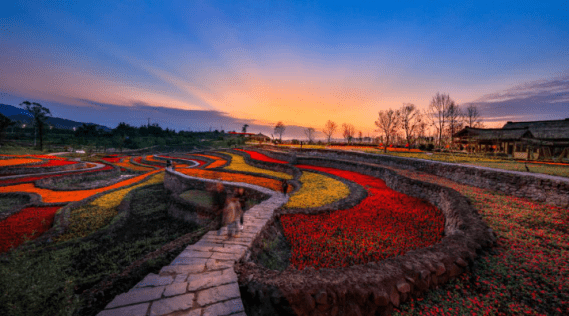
column 221, row 64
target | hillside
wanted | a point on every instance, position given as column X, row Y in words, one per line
column 18, row 114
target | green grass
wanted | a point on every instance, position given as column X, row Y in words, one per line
column 51, row 282
column 198, row 197
column 275, row 254
column 8, row 202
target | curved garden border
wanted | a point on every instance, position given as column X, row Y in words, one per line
column 376, row 287
column 35, row 199
column 48, row 183
column 537, row 187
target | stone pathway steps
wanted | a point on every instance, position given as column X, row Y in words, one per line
column 201, row 281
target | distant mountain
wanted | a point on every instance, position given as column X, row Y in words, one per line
column 18, row 114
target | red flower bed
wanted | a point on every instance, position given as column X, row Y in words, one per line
column 34, row 178
column 54, row 163
column 258, row 156
column 112, row 159
column 385, row 224
column 30, row 222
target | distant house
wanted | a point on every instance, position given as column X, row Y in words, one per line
column 546, row 139
column 252, row 136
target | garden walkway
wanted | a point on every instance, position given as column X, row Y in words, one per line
column 201, row 280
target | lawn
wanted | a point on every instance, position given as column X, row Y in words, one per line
column 8, row 202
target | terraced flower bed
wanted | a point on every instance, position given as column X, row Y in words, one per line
column 27, row 224
column 18, row 162
column 527, row 274
column 317, row 190
column 51, row 196
column 99, row 213
column 127, row 164
column 217, row 161
column 238, row 164
column 46, row 176
column 258, row 156
column 234, row 177
column 385, row 224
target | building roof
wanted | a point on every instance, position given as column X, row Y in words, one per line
column 552, row 130
column 494, row 134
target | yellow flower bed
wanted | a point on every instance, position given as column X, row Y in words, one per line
column 238, row 164
column 17, row 161
column 317, row 190
column 99, row 213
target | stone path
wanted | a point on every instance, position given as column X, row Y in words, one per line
column 98, row 166
column 201, row 280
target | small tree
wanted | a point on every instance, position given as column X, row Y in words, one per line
column 472, row 117
column 410, row 122
column 244, row 129
column 348, row 131
column 387, row 124
column 4, row 124
column 279, row 130
column 329, row 129
column 39, row 114
column 360, row 136
column 310, row 132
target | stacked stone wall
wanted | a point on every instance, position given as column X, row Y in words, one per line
column 376, row 287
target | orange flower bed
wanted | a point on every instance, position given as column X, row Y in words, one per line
column 218, row 162
column 35, row 156
column 17, row 161
column 128, row 165
column 50, row 196
column 274, row 185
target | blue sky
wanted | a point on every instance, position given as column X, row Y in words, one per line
column 194, row 64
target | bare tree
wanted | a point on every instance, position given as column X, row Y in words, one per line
column 329, row 129
column 437, row 113
column 279, row 130
column 348, row 131
column 388, row 123
column 360, row 136
column 410, row 121
column 454, row 118
column 472, row 116
column 309, row 132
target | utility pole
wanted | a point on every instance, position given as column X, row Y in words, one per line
column 148, row 123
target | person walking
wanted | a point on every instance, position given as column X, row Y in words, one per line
column 231, row 214
column 284, row 184
column 242, row 198
column 218, row 201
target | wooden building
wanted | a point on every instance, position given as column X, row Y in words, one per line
column 522, row 140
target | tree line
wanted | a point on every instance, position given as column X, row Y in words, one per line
column 444, row 117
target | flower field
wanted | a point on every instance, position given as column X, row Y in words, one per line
column 527, row 274
column 29, row 223
column 258, row 156
column 12, row 162
column 126, row 163
column 51, row 196
column 385, row 224
column 99, row 213
column 34, row 178
column 226, row 176
column 218, row 162
column 238, row 164
column 317, row 190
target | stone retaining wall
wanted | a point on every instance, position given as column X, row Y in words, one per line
column 376, row 287
column 538, row 187
column 185, row 210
